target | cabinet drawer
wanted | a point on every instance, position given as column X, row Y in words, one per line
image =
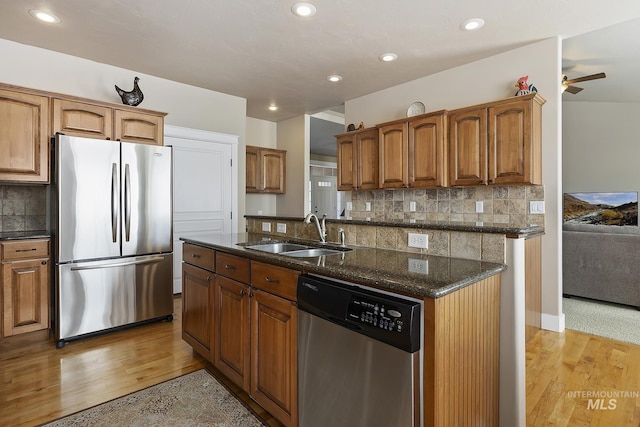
column 25, row 249
column 197, row 255
column 233, row 267
column 276, row 280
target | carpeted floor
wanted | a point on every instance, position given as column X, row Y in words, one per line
column 602, row 319
column 195, row 399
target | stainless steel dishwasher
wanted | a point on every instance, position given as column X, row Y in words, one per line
column 359, row 356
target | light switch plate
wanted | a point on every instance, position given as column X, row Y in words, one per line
column 281, row 228
column 266, row 226
column 536, row 207
column 412, row 206
column 367, row 206
column 479, row 207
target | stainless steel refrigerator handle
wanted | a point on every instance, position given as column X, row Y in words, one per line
column 118, row 264
column 114, row 202
column 127, row 201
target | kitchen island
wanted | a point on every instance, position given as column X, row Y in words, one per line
column 228, row 287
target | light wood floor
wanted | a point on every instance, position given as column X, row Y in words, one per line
column 39, row 383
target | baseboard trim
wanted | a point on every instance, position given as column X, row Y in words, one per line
column 552, row 322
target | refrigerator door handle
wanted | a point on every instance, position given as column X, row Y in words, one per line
column 118, row 264
column 127, row 202
column 114, row 202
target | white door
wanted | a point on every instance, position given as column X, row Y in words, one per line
column 205, row 187
column 324, row 196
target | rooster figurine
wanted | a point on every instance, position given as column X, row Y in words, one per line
column 523, row 87
column 134, row 97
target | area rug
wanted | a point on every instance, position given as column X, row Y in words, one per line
column 602, row 319
column 195, row 399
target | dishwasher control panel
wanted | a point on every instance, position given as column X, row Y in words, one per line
column 376, row 313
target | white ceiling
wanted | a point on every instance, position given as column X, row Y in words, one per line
column 257, row 49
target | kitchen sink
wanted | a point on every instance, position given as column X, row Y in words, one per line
column 295, row 249
column 306, row 253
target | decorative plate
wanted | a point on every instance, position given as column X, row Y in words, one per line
column 415, row 109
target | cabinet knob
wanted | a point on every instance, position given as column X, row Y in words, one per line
column 270, row 280
column 243, row 292
column 195, row 255
column 229, row 267
column 44, row 263
column 250, row 294
column 208, row 278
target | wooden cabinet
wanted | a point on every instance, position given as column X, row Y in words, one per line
column 266, row 170
column 358, row 161
column 243, row 319
column 197, row 309
column 24, row 137
column 274, row 356
column 413, row 152
column 97, row 120
column 25, row 286
column 497, row 143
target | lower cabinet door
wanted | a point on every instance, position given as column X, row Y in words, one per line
column 231, row 334
column 197, row 306
column 274, row 363
column 25, row 296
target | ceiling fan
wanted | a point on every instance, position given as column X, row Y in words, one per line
column 566, row 83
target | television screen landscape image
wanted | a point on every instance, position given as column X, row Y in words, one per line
column 616, row 209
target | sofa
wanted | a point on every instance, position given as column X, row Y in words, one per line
column 601, row 263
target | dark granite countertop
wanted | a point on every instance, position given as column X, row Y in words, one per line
column 20, row 235
column 382, row 268
column 510, row 230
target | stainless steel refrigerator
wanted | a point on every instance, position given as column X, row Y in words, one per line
column 113, row 232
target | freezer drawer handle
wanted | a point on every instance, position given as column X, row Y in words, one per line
column 118, row 264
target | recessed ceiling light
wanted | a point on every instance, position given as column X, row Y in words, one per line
column 44, row 16
column 303, row 10
column 472, row 24
column 388, row 57
column 273, row 107
column 334, row 78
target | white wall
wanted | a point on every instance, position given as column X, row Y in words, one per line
column 187, row 106
column 487, row 80
column 293, row 136
column 601, row 146
column 261, row 133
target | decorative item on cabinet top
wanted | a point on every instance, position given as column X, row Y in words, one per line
column 525, row 88
column 415, row 109
column 133, row 97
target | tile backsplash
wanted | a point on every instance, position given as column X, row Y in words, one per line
column 23, row 207
column 500, row 204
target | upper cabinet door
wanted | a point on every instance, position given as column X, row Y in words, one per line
column 393, row 155
column 81, row 119
column 468, row 147
column 368, row 162
column 273, row 171
column 346, row 154
column 24, row 137
column 253, row 169
column 143, row 128
column 515, row 154
column 428, row 152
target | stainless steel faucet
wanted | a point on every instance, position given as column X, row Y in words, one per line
column 322, row 228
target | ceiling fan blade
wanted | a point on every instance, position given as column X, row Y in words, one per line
column 586, row 78
column 573, row 89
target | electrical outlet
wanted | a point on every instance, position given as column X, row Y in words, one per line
column 417, row 265
column 349, row 206
column 281, row 228
column 536, row 207
column 479, row 207
column 417, row 240
column 259, row 212
column 367, row 206
column 412, row 206
column 266, row 226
